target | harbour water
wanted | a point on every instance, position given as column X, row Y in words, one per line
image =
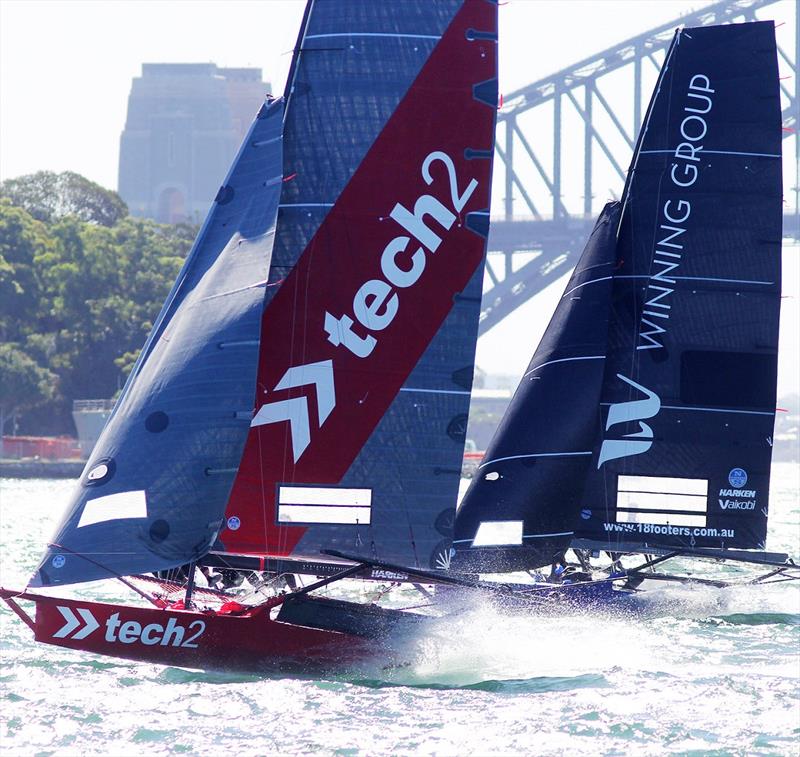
column 702, row 671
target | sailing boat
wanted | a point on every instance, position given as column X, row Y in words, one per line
column 336, row 280
column 643, row 424
column 341, row 288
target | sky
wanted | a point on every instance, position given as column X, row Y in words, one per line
column 66, row 68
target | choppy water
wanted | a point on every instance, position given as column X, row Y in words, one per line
column 705, row 671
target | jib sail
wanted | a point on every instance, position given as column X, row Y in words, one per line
column 683, row 448
column 368, row 334
column 150, row 496
column 519, row 509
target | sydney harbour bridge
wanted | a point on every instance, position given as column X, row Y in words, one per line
column 593, row 111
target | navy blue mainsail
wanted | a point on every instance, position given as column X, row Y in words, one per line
column 683, row 449
column 149, row 497
column 669, row 437
column 390, row 105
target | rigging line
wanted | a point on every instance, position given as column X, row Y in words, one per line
column 535, row 454
column 564, row 360
column 717, row 152
column 373, row 34
column 433, row 391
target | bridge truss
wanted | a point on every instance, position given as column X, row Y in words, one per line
column 593, row 110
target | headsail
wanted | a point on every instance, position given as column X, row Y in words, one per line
column 519, row 509
column 150, row 497
column 683, row 449
column 368, row 342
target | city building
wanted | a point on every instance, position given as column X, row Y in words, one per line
column 185, row 122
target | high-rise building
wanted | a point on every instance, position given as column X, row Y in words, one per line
column 185, row 123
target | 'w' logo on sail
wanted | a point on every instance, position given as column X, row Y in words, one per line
column 624, row 412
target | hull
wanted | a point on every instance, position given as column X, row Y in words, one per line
column 251, row 641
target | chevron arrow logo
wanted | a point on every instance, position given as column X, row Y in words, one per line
column 73, row 623
column 295, row 410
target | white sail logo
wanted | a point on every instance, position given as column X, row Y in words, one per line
column 295, row 410
column 624, row 412
column 376, row 303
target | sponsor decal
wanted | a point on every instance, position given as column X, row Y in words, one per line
column 674, row 218
column 586, row 514
column 295, row 410
column 234, row 523
column 653, row 529
column 737, row 504
column 737, row 478
column 737, row 498
column 81, row 623
column 76, row 626
column 58, row 561
column 388, row 574
column 624, row 412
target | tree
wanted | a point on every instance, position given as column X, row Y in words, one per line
column 49, row 196
column 23, row 382
column 22, row 239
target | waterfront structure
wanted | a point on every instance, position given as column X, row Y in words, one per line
column 185, row 122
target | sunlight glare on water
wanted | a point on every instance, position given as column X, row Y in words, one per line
column 698, row 670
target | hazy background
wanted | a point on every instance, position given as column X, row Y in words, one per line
column 66, row 68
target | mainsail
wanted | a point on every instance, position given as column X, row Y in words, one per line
column 337, row 281
column 367, row 345
column 670, row 434
column 683, row 450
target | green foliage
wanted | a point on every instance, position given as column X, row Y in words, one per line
column 78, row 296
column 23, row 382
column 49, row 196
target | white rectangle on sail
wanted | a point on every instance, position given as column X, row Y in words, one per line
column 498, row 533
column 651, row 501
column 324, row 495
column 131, row 504
column 661, row 519
column 324, row 514
column 663, row 485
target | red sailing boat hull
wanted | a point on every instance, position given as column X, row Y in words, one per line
column 247, row 642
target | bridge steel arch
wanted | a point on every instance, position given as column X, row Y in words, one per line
column 532, row 246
